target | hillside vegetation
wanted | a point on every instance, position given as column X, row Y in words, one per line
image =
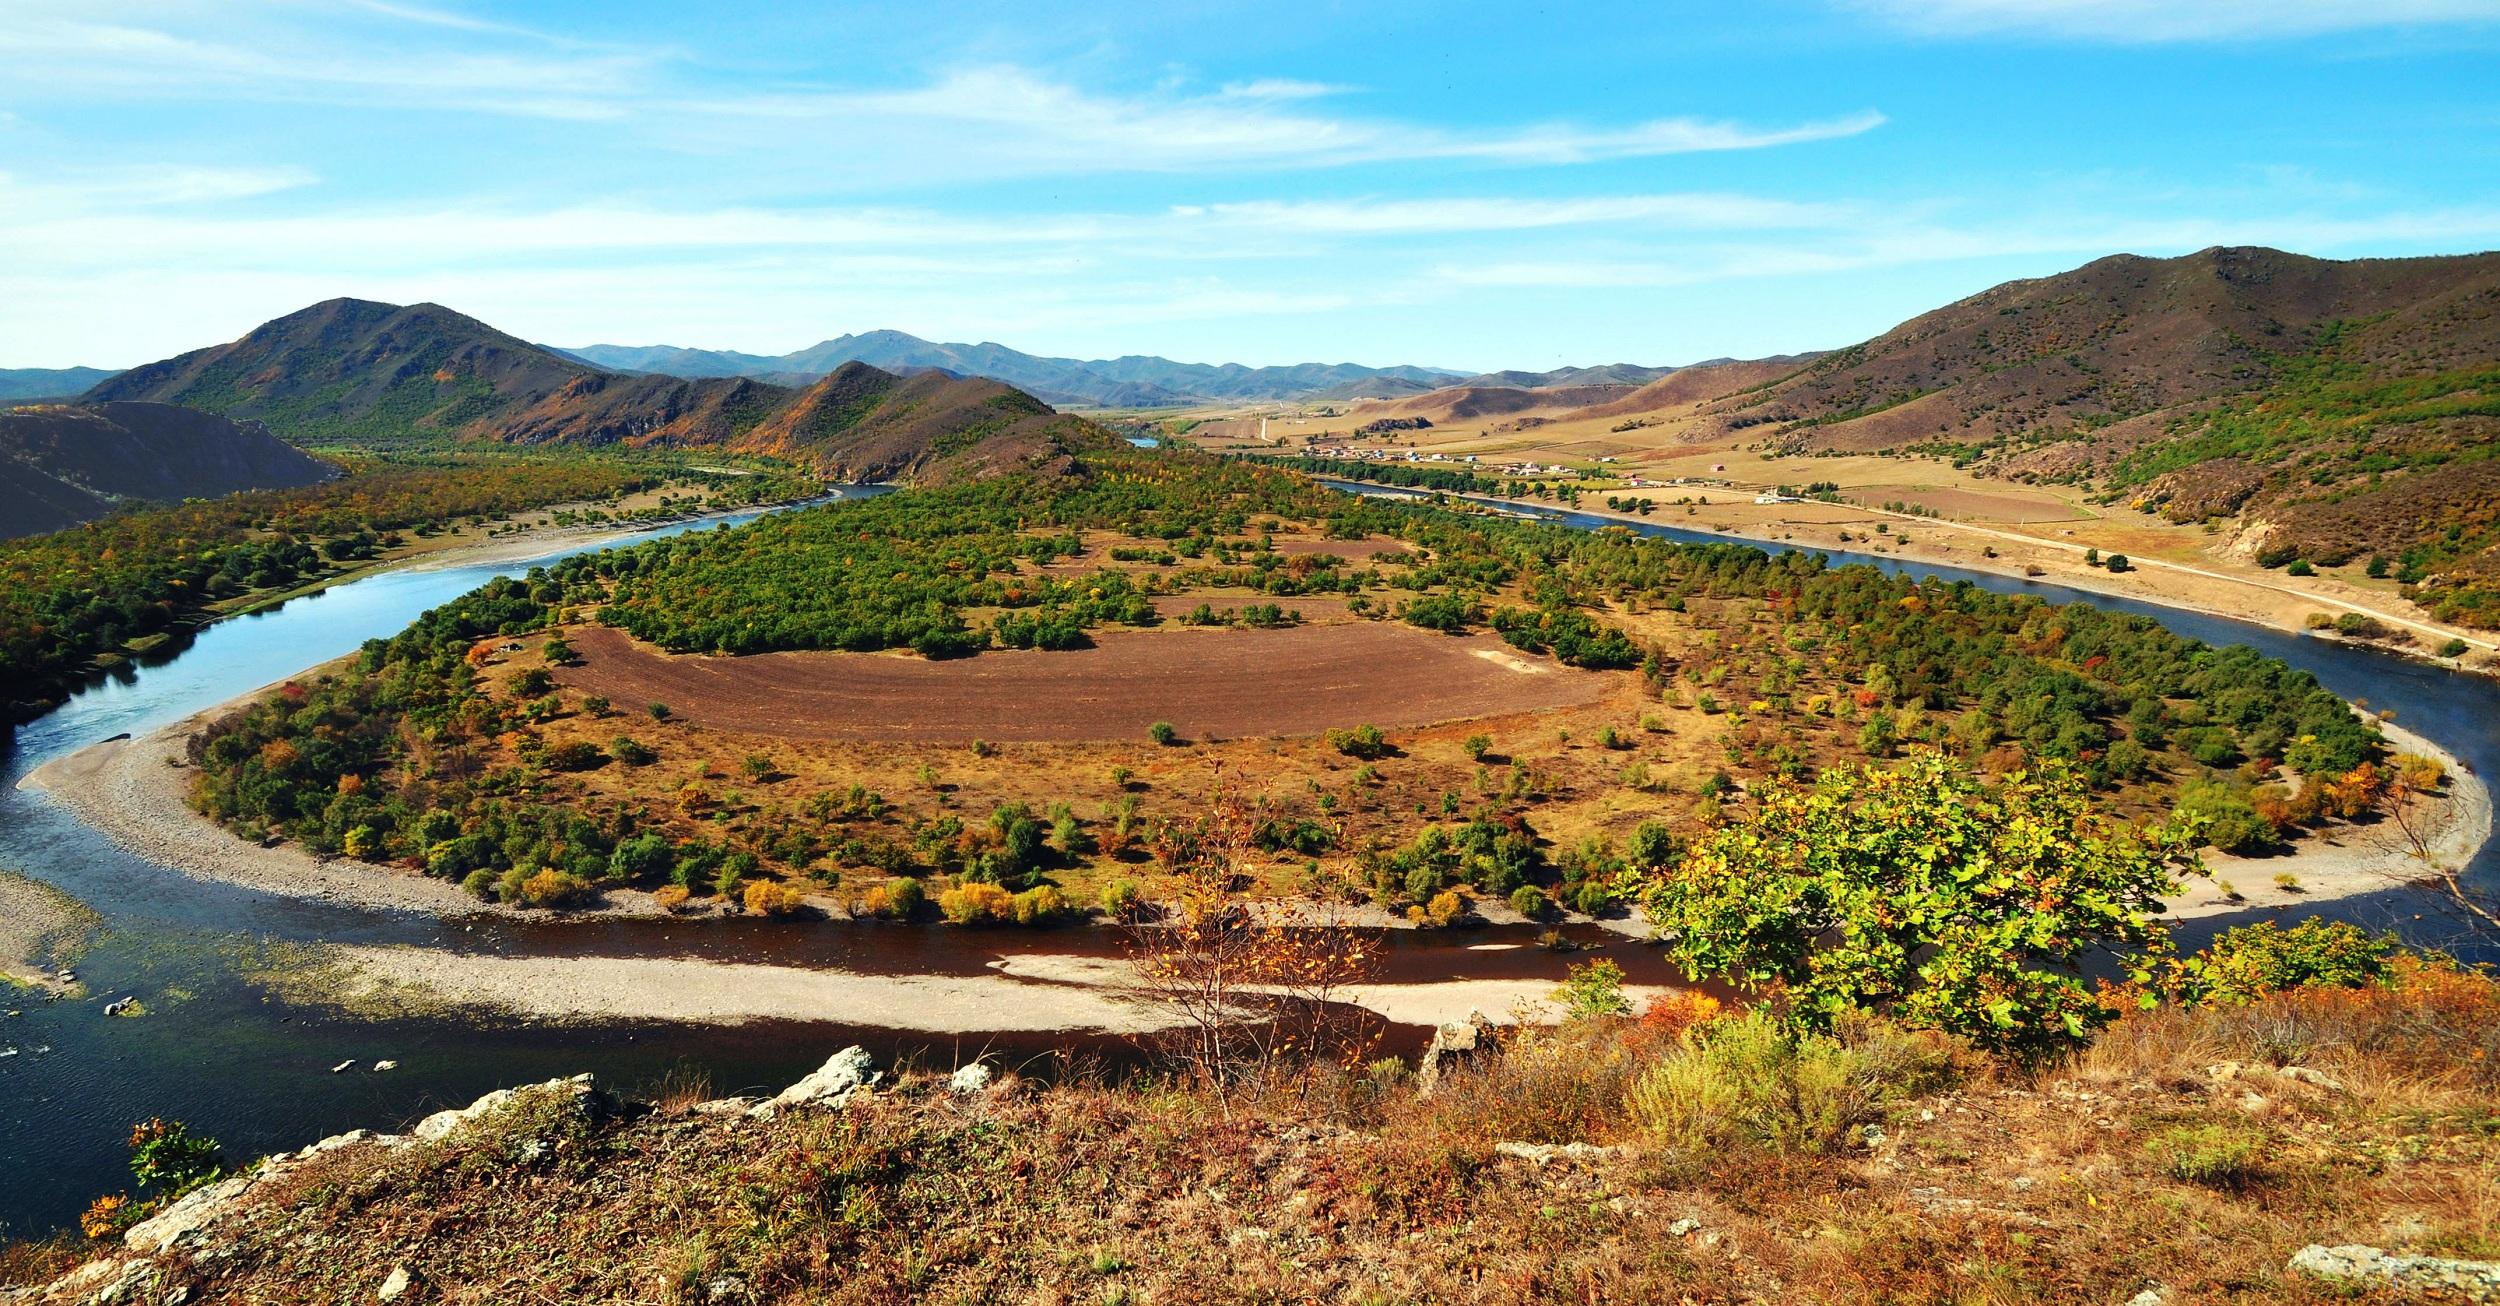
column 2196, row 1152
column 61, row 464
column 381, row 374
column 443, row 749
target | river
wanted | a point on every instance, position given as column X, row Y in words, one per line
column 255, row 1072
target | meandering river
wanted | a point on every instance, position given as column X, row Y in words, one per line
column 256, row 1072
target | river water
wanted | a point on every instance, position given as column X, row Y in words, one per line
column 255, row 1072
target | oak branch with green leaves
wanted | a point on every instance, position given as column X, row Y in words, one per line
column 1943, row 899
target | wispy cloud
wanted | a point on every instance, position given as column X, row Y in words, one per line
column 2149, row 21
column 1012, row 118
column 993, row 120
column 86, row 50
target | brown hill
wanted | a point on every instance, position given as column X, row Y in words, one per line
column 877, row 426
column 61, row 465
column 1463, row 402
column 2120, row 337
column 1688, row 386
column 356, row 370
column 2337, row 410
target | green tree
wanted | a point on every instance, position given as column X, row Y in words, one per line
column 1924, row 892
column 1593, row 989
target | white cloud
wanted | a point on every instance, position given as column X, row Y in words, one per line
column 1419, row 216
column 2147, row 21
column 1281, row 88
column 1011, row 118
column 968, row 122
column 82, row 51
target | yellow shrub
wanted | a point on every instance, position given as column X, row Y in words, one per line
column 765, row 898
column 670, row 897
column 1040, row 905
column 973, row 903
column 554, row 889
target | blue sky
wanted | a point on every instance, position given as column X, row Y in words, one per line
column 1469, row 186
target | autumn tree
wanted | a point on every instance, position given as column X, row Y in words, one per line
column 1925, row 892
column 1254, row 990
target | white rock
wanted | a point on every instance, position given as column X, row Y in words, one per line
column 344, row 1066
column 438, row 1126
column 1543, row 1153
column 848, row 1071
column 380, row 1066
column 2469, row 1280
column 395, row 1286
column 968, row 1080
column 187, row 1221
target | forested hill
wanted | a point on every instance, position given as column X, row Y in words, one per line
column 61, row 465
column 355, row 370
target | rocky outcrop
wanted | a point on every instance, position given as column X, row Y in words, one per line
column 846, row 1072
column 2451, row 1280
column 579, row 1089
column 1454, row 1045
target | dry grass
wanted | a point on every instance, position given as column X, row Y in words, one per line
column 2134, row 1166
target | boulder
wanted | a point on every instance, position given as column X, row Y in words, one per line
column 187, row 1221
column 846, row 1072
column 441, row 1124
column 1459, row 1043
column 2353, row 1263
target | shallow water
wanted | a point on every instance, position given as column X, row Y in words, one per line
column 255, row 1072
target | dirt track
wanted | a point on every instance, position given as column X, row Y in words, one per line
column 1225, row 684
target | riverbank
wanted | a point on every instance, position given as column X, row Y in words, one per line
column 135, row 792
column 43, row 932
column 2349, row 860
column 2014, row 555
column 1027, row 993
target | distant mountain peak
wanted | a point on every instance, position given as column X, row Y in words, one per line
column 350, row 368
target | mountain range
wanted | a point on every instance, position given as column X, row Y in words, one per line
column 355, row 369
column 1134, row 381
column 22, row 383
column 61, row 465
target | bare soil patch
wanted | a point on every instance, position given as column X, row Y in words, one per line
column 1207, row 683
column 1351, row 550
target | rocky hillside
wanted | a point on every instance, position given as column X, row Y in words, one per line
column 61, row 465
column 2314, row 1147
column 355, row 370
column 2330, row 412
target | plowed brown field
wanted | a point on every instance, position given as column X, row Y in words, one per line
column 1225, row 684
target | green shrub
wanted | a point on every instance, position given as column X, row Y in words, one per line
column 1593, row 989
column 2214, row 1155
column 1364, row 742
column 1040, row 905
column 1162, row 733
column 631, row 751
column 2244, row 964
column 1750, row 1080
column 1121, row 898
column 166, row 1154
column 1530, row 901
column 2455, row 648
